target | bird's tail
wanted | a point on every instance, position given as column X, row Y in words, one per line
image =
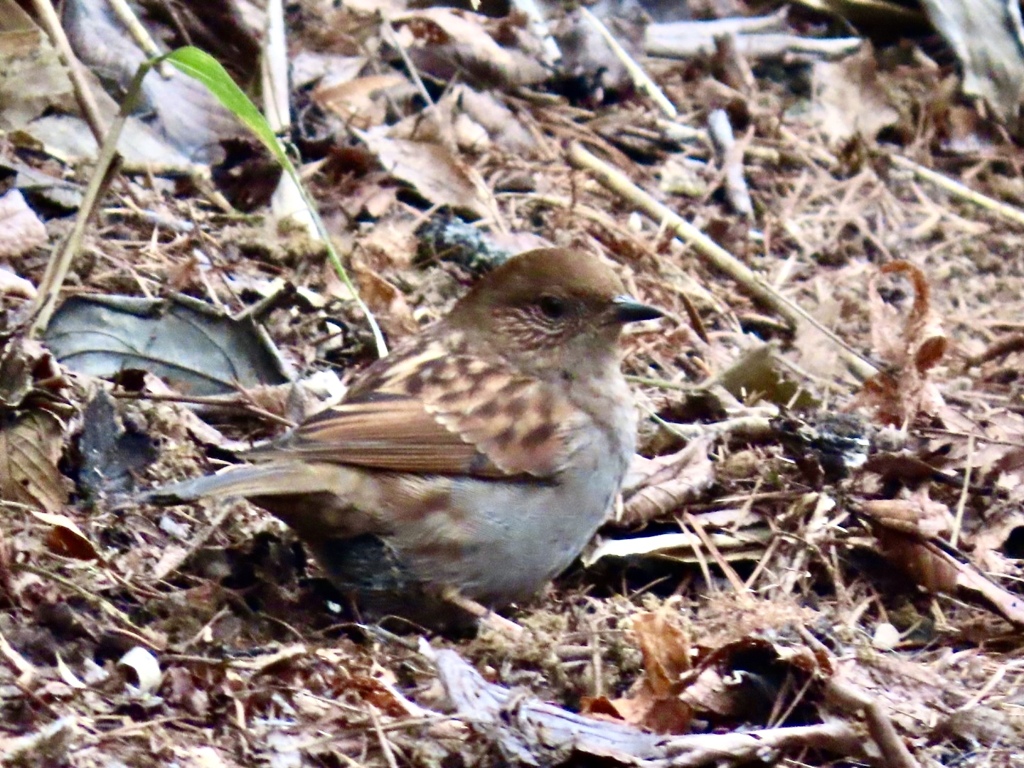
column 277, row 479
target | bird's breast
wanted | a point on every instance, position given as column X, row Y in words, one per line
column 502, row 541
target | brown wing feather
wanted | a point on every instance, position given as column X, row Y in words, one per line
column 433, row 412
column 390, row 434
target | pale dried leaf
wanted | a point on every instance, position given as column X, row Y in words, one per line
column 69, row 677
column 13, row 285
column 361, row 101
column 20, row 228
column 30, row 448
column 656, row 487
column 443, row 41
column 434, row 172
column 849, row 99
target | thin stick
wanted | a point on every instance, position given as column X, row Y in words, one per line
column 959, row 190
column 961, row 504
column 385, row 745
column 83, row 94
column 169, row 566
column 139, row 33
column 640, row 78
column 713, row 254
column 413, row 72
column 730, row 573
column 60, row 260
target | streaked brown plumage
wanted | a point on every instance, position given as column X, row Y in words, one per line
column 481, row 455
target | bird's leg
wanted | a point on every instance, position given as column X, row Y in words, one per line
column 484, row 615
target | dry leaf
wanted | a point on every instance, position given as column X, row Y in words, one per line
column 849, row 99
column 666, row 651
column 433, row 171
column 386, row 302
column 656, row 487
column 360, row 101
column 444, row 42
column 654, row 702
column 65, row 538
column 933, row 565
column 20, row 228
column 30, row 448
column 910, row 349
column 918, row 514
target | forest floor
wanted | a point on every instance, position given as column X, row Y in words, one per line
column 825, row 549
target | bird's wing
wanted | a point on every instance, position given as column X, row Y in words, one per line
column 436, row 413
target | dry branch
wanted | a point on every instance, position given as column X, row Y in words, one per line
column 534, row 732
column 713, row 254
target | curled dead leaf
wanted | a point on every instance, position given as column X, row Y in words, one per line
column 918, row 514
column 65, row 538
column 654, row 702
column 938, row 568
column 656, row 487
column 142, row 668
column 909, row 348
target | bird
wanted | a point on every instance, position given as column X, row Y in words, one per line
column 477, row 459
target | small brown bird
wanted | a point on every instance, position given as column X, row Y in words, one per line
column 480, row 456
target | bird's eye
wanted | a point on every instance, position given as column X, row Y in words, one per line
column 552, row 306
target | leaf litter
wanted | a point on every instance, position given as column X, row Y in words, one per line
column 805, row 565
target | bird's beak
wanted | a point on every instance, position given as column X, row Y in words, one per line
column 629, row 310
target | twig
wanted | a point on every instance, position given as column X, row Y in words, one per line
column 712, row 253
column 382, row 739
column 959, row 190
column 174, row 563
column 728, row 570
column 894, row 751
column 60, row 260
column 731, row 156
column 736, row 25
column 139, row 34
column 389, row 32
column 83, row 94
column 288, row 202
column 961, row 504
column 640, row 78
column 793, row 48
